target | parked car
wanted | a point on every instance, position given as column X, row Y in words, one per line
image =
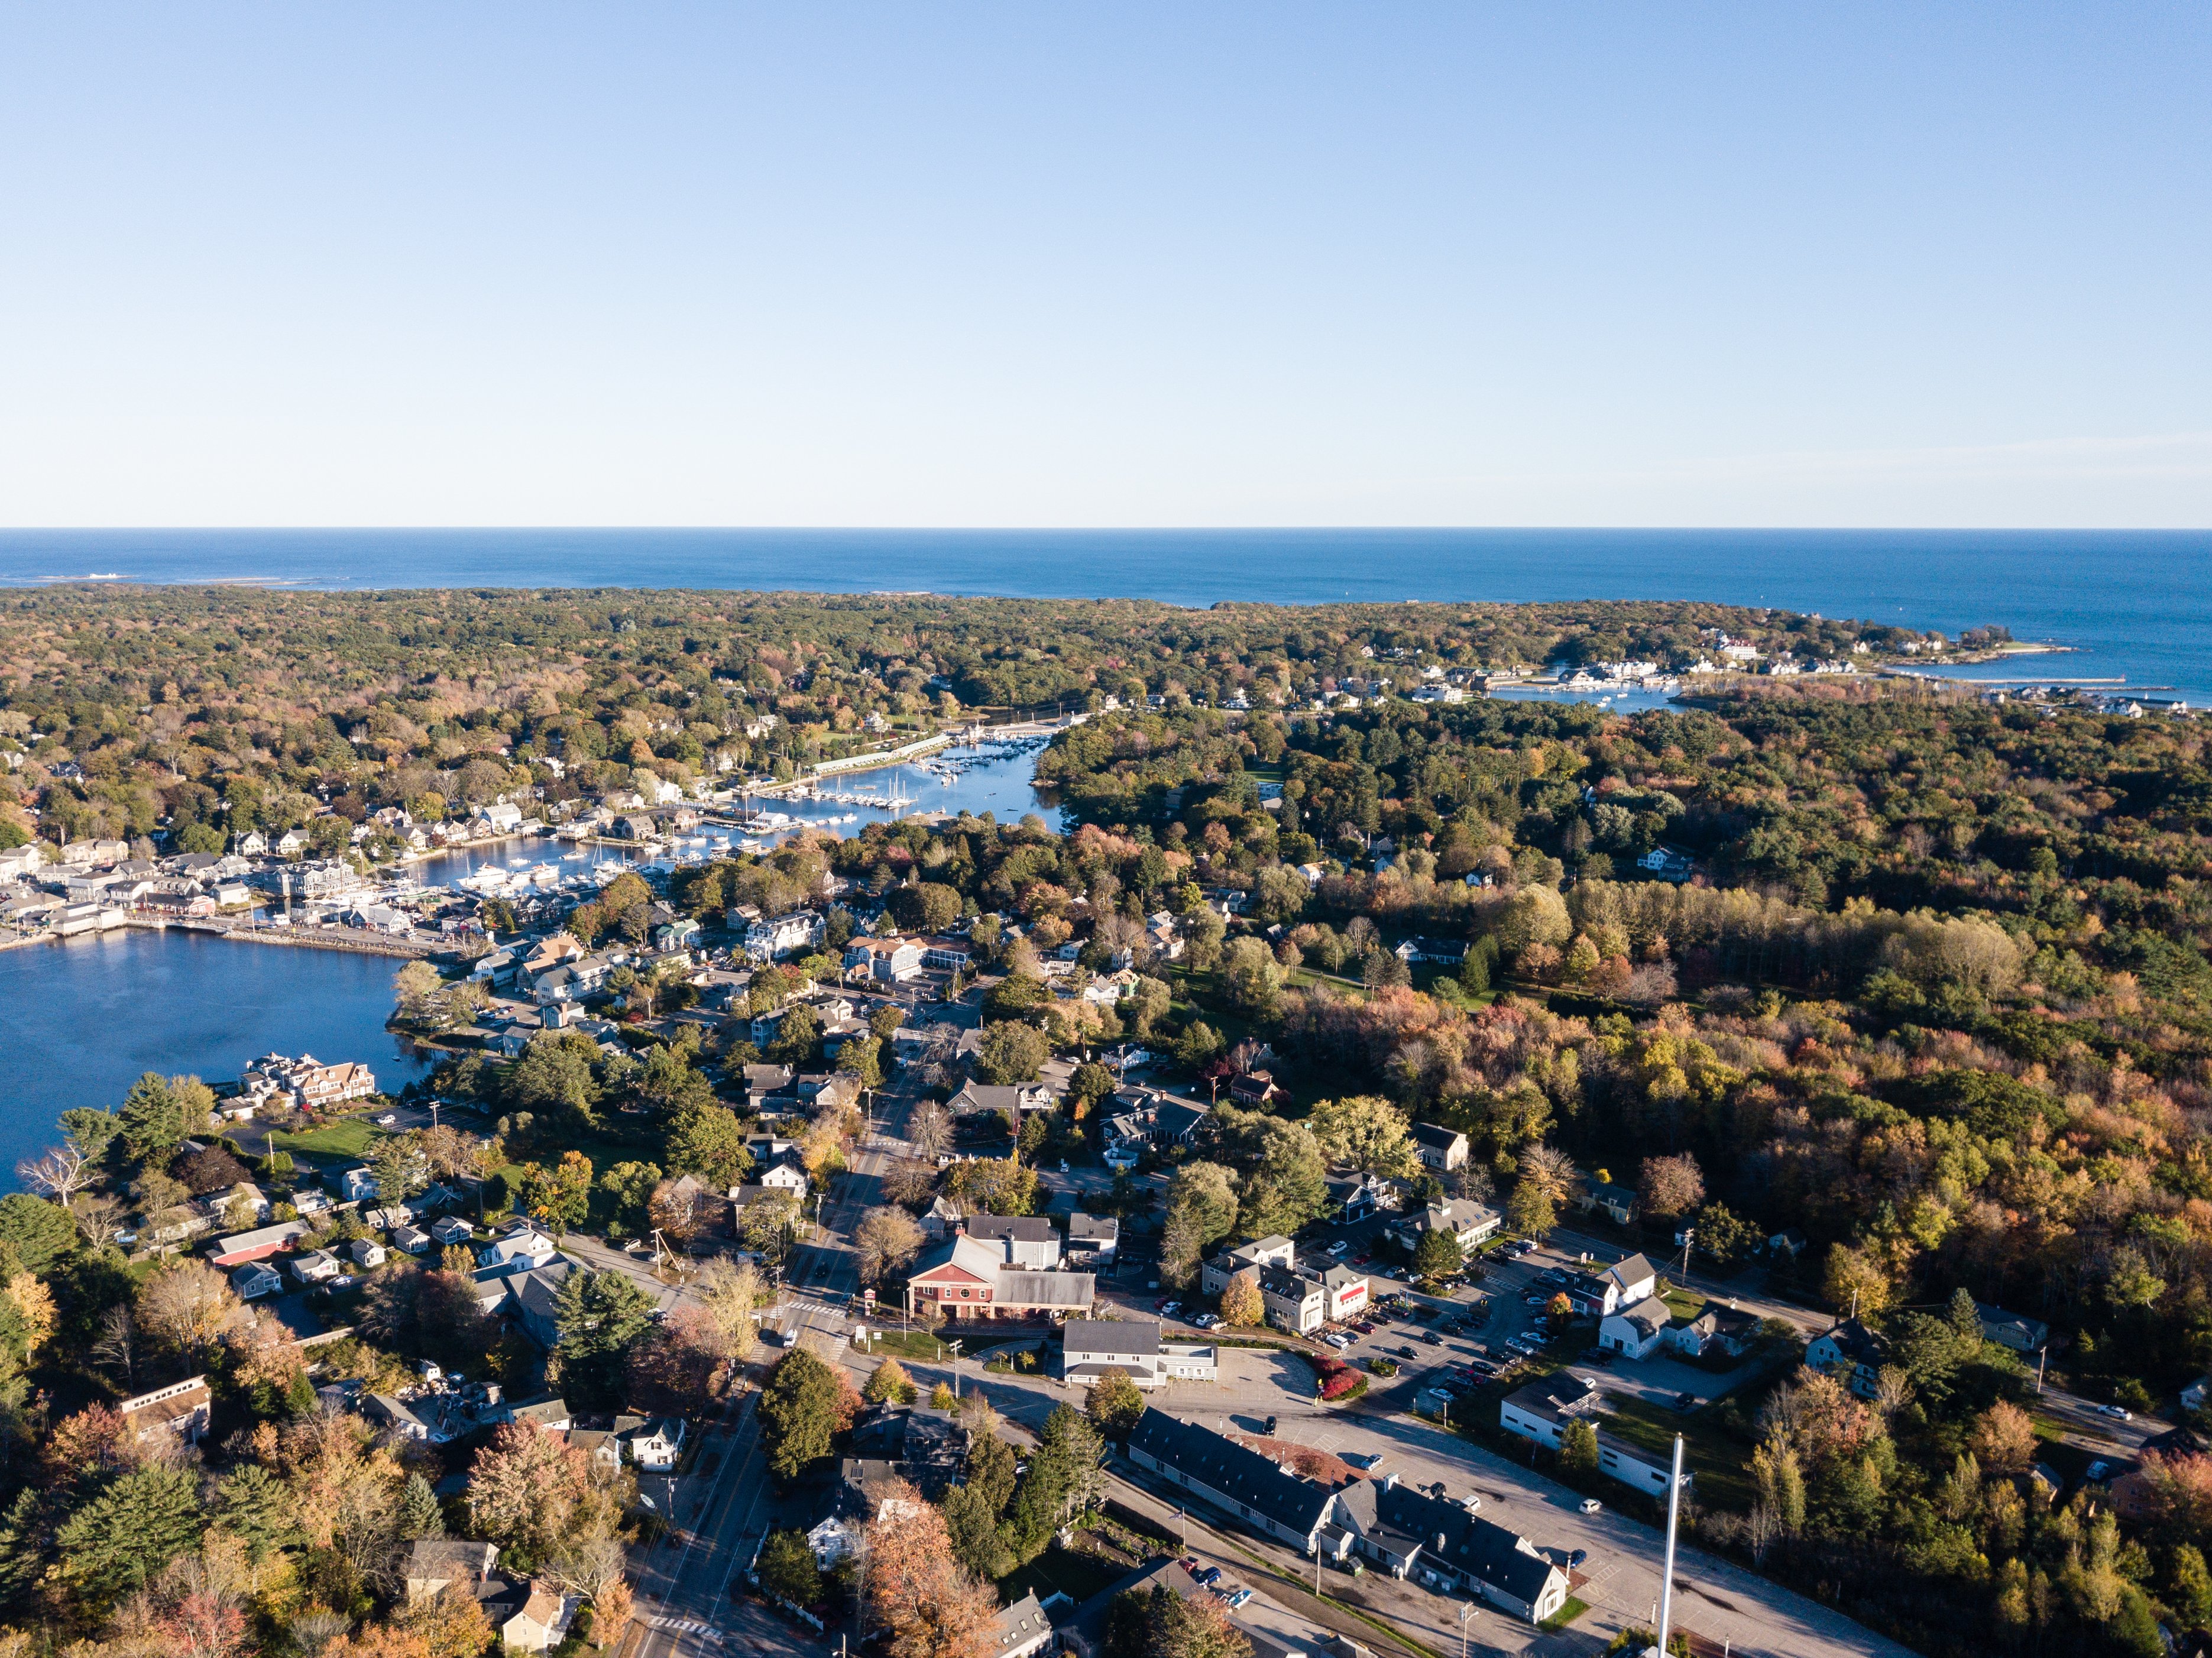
column 1591, row 1505
column 1336, row 1341
column 1339, row 1247
column 1362, row 1459
column 1407, row 1353
column 1269, row 1430
column 1432, row 1338
column 2097, row 1470
column 1238, row 1600
column 387, row 1118
column 2117, row 1412
column 1685, row 1401
column 1363, row 1326
column 1579, row 1557
column 1171, row 1309
column 1209, row 1577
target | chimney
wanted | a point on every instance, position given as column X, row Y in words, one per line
column 1389, row 1482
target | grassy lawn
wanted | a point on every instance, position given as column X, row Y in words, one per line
column 1570, row 1609
column 907, row 1343
column 346, row 1138
column 1684, row 1303
column 1712, row 1453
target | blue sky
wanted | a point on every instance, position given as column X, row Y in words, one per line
column 1030, row 264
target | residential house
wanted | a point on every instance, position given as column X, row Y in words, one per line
column 181, row 1411
column 533, row 1299
column 1091, row 1347
column 1439, row 1148
column 256, row 1280
column 1730, row 1329
column 366, row 1252
column 1448, row 951
column 259, row 1244
column 357, row 1185
column 1617, row 1202
column 764, row 1081
column 786, row 1172
column 1852, row 1352
column 401, row 1419
column 1790, row 1244
column 1542, row 1410
column 548, row 1413
column 884, row 961
column 1414, row 1535
column 944, row 1217
column 436, row 1563
column 314, row 1266
column 1468, row 1221
column 773, row 939
column 656, row 1445
column 1238, row 1481
column 525, row 1243
column 451, row 1230
column 1096, row 1237
column 1001, row 1098
column 409, row 1240
column 1030, row 1241
column 1608, row 1289
column 2022, row 1335
column 1636, row 1330
column 1019, row 1631
column 1356, row 1196
column 535, row 1618
column 1257, row 1256
column 1252, row 1089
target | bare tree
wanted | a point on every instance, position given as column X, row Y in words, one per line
column 61, row 1174
column 887, row 1239
column 909, row 1181
column 187, row 1305
column 117, row 1345
column 929, row 1131
column 1762, row 1532
column 589, row 1568
column 99, row 1218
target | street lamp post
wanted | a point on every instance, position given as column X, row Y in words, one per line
column 1465, row 1612
column 955, row 1345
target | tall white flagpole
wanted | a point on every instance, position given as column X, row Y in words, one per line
column 1667, row 1579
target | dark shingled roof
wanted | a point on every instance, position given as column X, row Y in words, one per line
column 1222, row 1465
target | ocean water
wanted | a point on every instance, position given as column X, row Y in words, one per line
column 2127, row 604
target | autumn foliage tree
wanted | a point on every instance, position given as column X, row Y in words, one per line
column 931, row 1604
column 1240, row 1299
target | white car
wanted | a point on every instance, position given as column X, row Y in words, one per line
column 1336, row 1341
column 388, row 1118
column 1338, row 1247
column 2117, row 1412
column 1207, row 1320
column 1591, row 1505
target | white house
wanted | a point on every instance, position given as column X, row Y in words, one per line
column 452, row 1230
column 1636, row 1330
column 411, row 1240
column 1469, row 1221
column 366, row 1252
column 658, row 1444
column 357, row 1185
column 525, row 1244
column 314, row 1266
column 1621, row 1284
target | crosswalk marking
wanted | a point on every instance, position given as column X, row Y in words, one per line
column 684, row 1626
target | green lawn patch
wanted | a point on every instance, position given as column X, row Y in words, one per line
column 1709, row 1450
column 1570, row 1609
column 908, row 1344
column 348, row 1138
column 1685, row 1305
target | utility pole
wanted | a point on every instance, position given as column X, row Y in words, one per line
column 1667, row 1578
column 1465, row 1612
column 954, row 1346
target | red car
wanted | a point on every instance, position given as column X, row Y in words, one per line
column 1363, row 1326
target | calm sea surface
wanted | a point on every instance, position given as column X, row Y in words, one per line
column 2132, row 603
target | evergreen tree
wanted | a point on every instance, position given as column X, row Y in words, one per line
column 799, row 1413
column 599, row 1316
column 419, row 1513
